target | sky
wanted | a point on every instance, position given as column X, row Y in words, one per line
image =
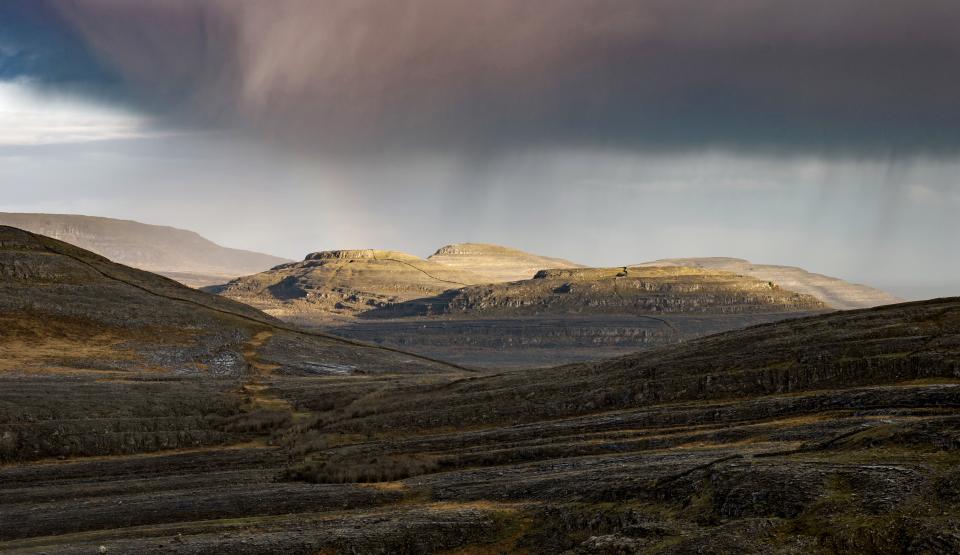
column 822, row 134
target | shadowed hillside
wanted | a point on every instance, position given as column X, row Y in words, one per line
column 74, row 320
column 181, row 255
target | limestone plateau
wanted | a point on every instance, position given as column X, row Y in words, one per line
column 835, row 292
column 558, row 315
column 647, row 290
column 570, row 315
column 140, row 416
column 496, row 263
column 175, row 253
column 342, row 283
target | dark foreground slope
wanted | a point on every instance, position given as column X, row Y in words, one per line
column 176, row 253
column 830, row 434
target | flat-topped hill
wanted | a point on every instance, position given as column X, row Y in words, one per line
column 339, row 283
column 496, row 263
column 176, row 253
column 647, row 290
column 835, row 292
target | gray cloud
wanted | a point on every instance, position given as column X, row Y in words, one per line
column 872, row 76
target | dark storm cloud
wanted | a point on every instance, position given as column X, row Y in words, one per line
column 871, row 76
column 36, row 44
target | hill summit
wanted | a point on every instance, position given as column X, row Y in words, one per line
column 496, row 263
column 328, row 284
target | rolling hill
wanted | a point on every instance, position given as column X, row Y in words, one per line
column 175, row 253
column 835, row 292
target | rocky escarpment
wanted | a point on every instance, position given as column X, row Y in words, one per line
column 343, row 283
column 496, row 263
column 614, row 291
column 176, row 253
column 835, row 292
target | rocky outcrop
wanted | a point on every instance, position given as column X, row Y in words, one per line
column 496, row 263
column 834, row 292
column 343, row 283
column 581, row 291
column 176, row 253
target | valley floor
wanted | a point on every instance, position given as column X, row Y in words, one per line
column 538, row 341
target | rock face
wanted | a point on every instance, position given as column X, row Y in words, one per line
column 835, row 292
column 175, row 253
column 495, row 263
column 343, row 283
column 648, row 290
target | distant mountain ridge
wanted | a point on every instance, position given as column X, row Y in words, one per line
column 496, row 263
column 176, row 253
column 835, row 292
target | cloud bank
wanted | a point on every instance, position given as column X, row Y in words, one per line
column 865, row 76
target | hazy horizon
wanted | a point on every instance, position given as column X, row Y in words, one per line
column 825, row 136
